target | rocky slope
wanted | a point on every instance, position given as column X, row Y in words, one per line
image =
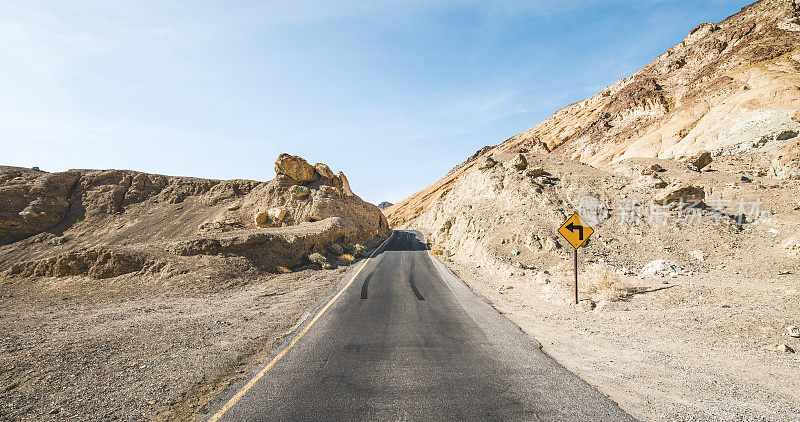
column 688, row 171
column 105, row 223
column 134, row 296
column 728, row 88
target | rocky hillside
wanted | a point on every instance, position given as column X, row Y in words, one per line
column 728, row 88
column 104, row 223
column 688, row 171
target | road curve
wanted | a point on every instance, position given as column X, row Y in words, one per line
column 407, row 340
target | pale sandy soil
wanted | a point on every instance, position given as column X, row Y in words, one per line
column 698, row 348
column 138, row 347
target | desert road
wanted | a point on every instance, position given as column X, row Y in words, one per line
column 407, row 340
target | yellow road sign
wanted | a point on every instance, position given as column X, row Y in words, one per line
column 575, row 231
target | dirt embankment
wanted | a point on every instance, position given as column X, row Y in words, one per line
column 129, row 295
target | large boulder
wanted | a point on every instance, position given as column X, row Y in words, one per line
column 295, row 168
column 324, row 171
column 697, row 161
column 679, row 192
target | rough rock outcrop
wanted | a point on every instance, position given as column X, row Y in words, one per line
column 286, row 247
column 345, row 185
column 295, row 168
column 32, row 201
column 100, row 263
column 103, row 223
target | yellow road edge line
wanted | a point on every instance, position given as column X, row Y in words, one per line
column 297, row 338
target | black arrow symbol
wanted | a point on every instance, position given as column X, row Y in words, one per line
column 571, row 227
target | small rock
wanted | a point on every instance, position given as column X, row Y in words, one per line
column 698, row 255
column 54, row 411
column 541, row 278
column 652, row 181
column 793, row 331
column 277, row 214
column 332, row 190
column 784, row 348
column 766, row 213
column 515, row 252
column 299, row 192
column 786, row 134
column 487, row 163
column 656, row 167
column 586, row 305
column 59, row 240
column 534, row 172
column 261, row 219
column 520, row 162
column 660, row 267
column 679, row 192
column 504, row 288
column 233, row 207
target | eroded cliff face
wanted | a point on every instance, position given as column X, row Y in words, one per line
column 724, row 85
column 104, row 223
column 730, row 88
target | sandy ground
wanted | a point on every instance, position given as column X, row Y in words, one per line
column 701, row 347
column 135, row 348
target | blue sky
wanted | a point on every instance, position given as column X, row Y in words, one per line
column 392, row 93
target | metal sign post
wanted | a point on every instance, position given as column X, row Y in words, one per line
column 576, row 232
column 576, row 276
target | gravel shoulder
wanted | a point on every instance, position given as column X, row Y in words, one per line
column 699, row 348
column 139, row 347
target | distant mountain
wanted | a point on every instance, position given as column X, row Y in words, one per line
column 383, row 205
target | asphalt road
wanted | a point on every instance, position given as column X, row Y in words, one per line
column 407, row 340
